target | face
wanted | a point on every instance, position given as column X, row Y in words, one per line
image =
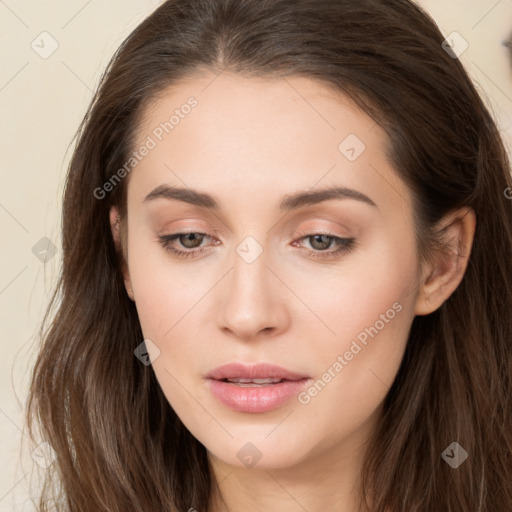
column 254, row 262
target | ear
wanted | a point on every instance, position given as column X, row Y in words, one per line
column 441, row 277
column 120, row 243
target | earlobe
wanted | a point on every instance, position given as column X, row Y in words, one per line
column 442, row 278
column 115, row 227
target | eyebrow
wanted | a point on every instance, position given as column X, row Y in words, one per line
column 289, row 202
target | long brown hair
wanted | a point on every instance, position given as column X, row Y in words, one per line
column 120, row 446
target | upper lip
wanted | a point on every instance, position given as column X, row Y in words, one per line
column 257, row 371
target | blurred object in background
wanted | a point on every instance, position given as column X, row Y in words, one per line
column 508, row 44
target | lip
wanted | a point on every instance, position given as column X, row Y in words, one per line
column 258, row 371
column 255, row 398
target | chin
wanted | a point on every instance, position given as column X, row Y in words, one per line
column 256, row 452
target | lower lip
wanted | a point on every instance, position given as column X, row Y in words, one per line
column 257, row 398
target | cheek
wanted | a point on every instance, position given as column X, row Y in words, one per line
column 159, row 286
column 356, row 374
column 171, row 302
column 168, row 306
column 370, row 307
column 351, row 296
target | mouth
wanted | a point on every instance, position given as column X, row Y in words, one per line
column 259, row 374
column 254, row 383
column 258, row 388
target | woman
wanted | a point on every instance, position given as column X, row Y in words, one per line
column 286, row 277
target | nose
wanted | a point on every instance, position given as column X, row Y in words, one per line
column 252, row 300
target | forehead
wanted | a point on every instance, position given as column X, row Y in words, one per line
column 247, row 136
column 257, row 105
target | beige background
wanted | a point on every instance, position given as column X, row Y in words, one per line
column 42, row 101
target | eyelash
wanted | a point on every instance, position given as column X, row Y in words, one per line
column 345, row 245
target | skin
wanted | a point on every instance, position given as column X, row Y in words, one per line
column 250, row 142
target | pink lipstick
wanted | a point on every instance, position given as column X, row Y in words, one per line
column 257, row 388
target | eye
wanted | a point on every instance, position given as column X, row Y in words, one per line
column 189, row 241
column 322, row 241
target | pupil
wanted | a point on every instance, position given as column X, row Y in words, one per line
column 191, row 237
column 324, row 241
